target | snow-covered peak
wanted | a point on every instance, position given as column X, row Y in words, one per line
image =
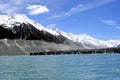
column 9, row 20
column 88, row 41
column 16, row 19
column 85, row 37
column 114, row 43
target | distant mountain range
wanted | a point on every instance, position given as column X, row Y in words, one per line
column 20, row 27
column 87, row 41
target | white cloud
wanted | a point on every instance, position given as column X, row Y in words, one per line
column 37, row 9
column 83, row 7
column 55, row 16
column 111, row 23
column 15, row 6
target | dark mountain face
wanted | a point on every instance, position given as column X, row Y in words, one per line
column 29, row 32
column 5, row 33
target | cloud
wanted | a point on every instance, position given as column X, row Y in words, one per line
column 15, row 6
column 111, row 23
column 55, row 16
column 37, row 9
column 83, row 7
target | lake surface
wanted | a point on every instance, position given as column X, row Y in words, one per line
column 61, row 67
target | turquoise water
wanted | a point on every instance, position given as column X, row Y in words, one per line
column 61, row 67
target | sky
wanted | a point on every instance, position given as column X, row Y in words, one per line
column 97, row 18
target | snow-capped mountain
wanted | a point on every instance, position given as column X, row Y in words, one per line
column 20, row 36
column 18, row 19
column 88, row 41
column 21, row 27
column 114, row 43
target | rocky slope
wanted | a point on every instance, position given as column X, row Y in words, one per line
column 25, row 47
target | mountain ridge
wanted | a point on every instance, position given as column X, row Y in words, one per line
column 85, row 40
column 24, row 28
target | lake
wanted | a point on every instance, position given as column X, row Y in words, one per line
column 61, row 67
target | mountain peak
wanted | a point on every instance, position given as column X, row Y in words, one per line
column 16, row 17
column 20, row 17
column 86, row 36
column 10, row 21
